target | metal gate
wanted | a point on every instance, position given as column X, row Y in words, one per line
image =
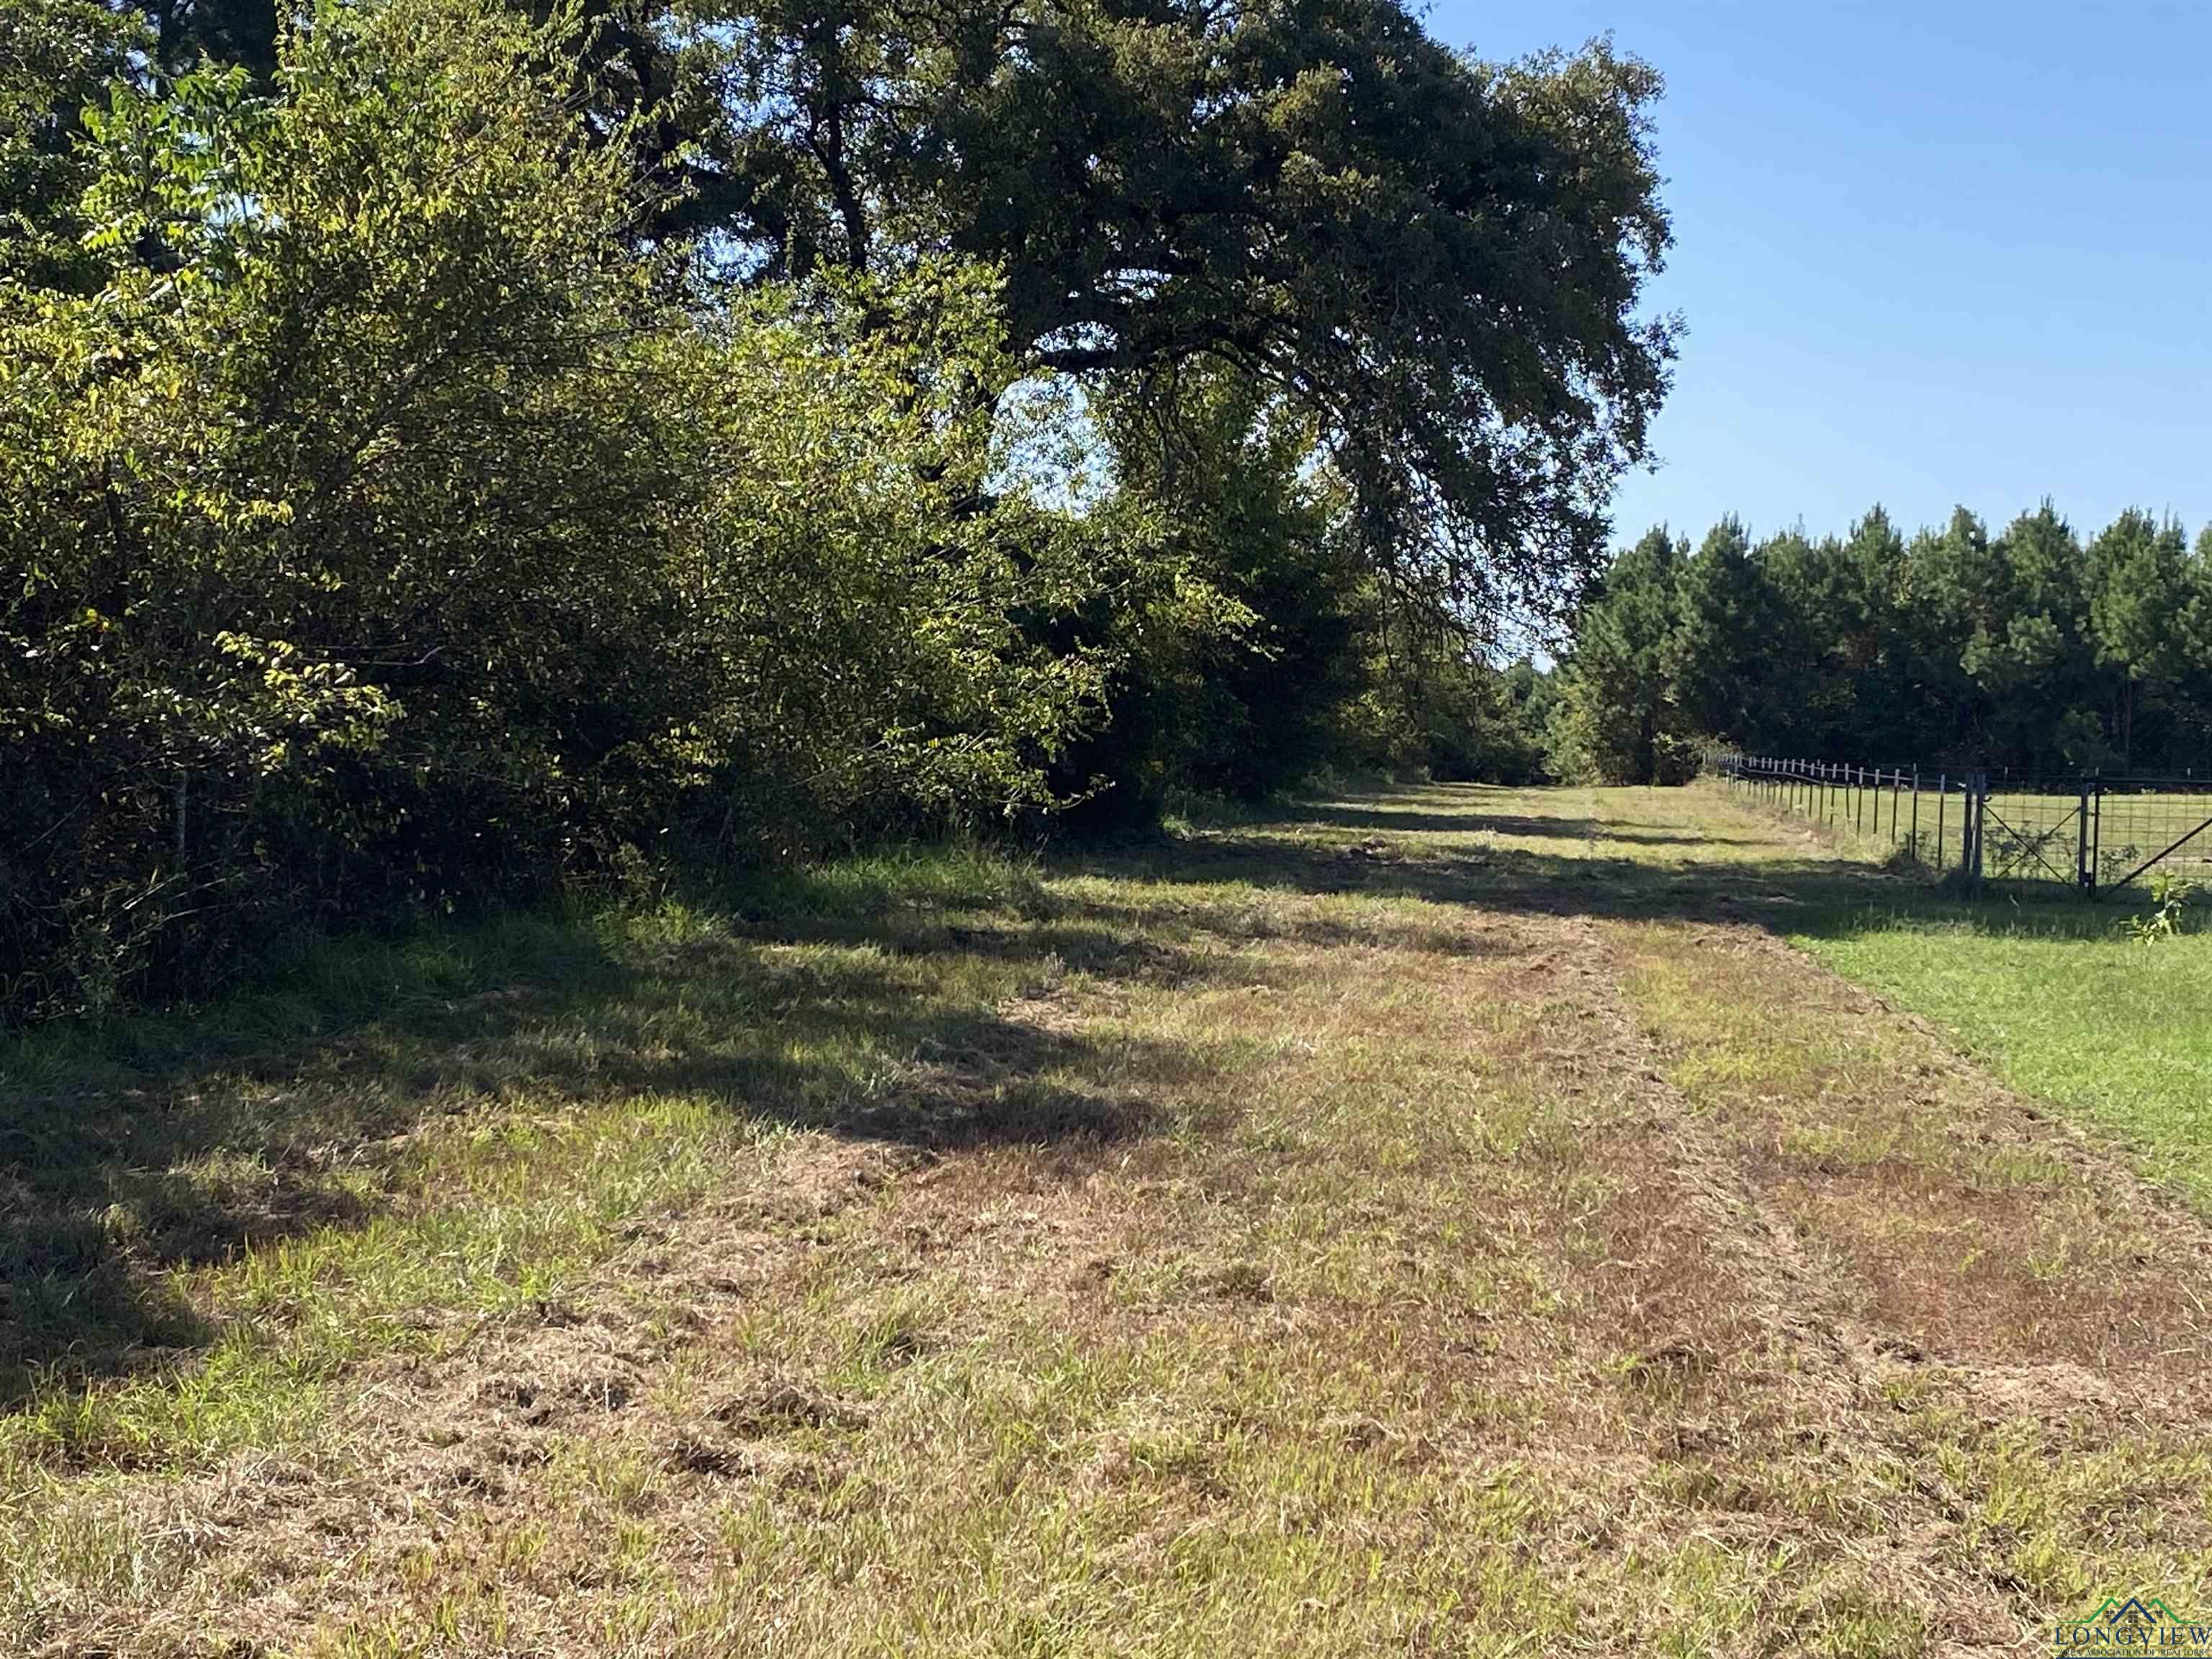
column 2090, row 834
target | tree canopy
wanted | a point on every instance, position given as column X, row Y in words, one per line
column 1439, row 261
column 459, row 445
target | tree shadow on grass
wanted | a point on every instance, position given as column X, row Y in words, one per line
column 825, row 1002
column 1804, row 893
column 1478, row 819
column 158, row 1153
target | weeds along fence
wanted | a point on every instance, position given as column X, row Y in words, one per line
column 2088, row 834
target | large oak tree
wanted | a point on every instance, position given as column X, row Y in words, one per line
column 1441, row 261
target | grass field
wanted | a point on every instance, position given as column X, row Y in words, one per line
column 2049, row 991
column 2062, row 1007
column 1454, row 1221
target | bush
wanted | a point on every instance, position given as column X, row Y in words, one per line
column 389, row 539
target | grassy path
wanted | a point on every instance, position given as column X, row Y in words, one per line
column 1452, row 1221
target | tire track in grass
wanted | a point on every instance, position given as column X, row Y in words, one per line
column 1281, row 1318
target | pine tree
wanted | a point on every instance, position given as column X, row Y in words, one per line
column 1722, row 655
column 1617, row 721
column 2139, row 579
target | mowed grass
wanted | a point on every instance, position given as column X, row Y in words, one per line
column 1438, row 1221
column 2118, row 1033
column 2053, row 993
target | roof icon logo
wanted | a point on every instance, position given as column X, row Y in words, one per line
column 2137, row 1610
column 2135, row 1624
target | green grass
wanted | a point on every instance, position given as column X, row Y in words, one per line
column 1421, row 1220
column 2061, row 1005
column 395, row 1140
column 2047, row 990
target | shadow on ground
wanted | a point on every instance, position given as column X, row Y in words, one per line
column 170, row 1154
column 1451, row 857
column 818, row 1005
column 1381, row 815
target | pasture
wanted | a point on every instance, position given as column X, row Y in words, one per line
column 1449, row 1220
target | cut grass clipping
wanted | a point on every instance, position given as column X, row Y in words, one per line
column 1449, row 1220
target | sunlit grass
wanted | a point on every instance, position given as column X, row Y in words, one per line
column 1337, row 1229
column 2058, row 1002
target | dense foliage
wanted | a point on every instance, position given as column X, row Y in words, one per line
column 452, row 445
column 2030, row 650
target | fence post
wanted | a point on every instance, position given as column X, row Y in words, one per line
column 2083, row 872
column 1943, row 804
column 2097, row 838
column 1911, row 841
column 1977, row 800
column 1859, row 802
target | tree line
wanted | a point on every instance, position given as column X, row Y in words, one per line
column 2029, row 649
column 451, row 447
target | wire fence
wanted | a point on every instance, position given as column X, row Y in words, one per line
column 2090, row 834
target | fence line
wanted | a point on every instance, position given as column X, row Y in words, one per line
column 2090, row 834
column 1935, row 819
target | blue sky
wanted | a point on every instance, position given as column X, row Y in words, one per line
column 1928, row 255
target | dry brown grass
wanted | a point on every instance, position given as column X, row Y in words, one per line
column 1437, row 1223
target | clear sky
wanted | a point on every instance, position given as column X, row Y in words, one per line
column 1927, row 253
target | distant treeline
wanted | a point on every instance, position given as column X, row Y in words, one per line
column 2030, row 649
